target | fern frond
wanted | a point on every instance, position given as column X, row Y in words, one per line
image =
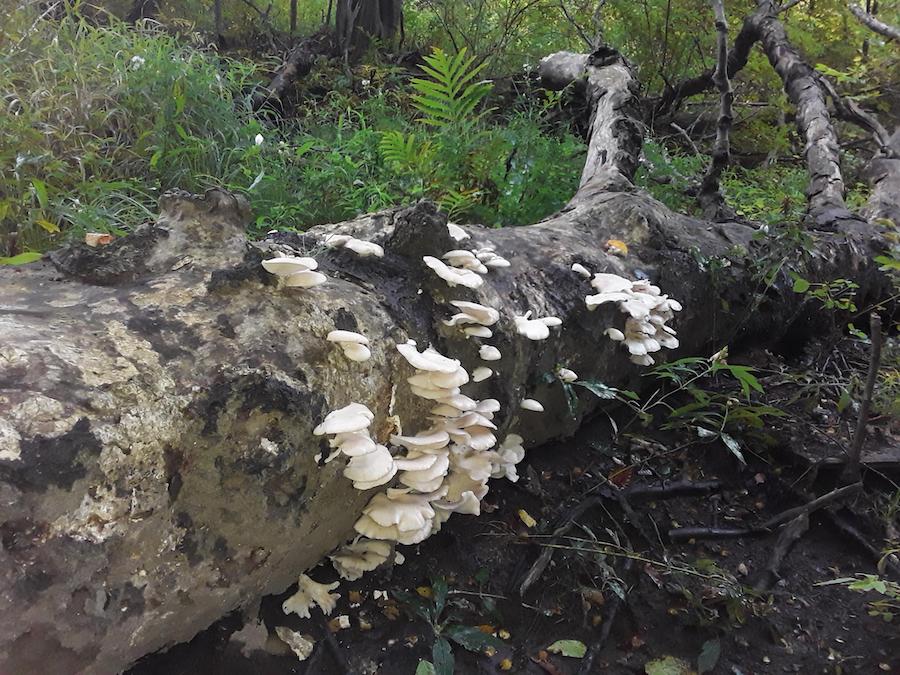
column 449, row 96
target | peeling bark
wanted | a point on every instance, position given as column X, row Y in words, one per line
column 158, row 395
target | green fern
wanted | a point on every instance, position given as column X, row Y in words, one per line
column 456, row 203
column 449, row 97
column 405, row 152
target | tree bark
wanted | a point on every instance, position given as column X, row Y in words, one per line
column 358, row 22
column 712, row 202
column 157, row 461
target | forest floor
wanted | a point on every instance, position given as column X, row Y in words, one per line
column 687, row 607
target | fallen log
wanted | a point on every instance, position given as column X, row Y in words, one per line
column 158, row 467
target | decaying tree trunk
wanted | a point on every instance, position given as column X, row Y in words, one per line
column 157, row 462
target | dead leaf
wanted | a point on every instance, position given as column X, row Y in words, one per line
column 526, row 518
column 96, row 238
column 617, row 247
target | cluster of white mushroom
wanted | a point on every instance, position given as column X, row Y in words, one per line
column 535, row 329
column 360, row 247
column 354, row 345
column 648, row 311
column 311, row 593
column 295, row 272
column 370, row 464
column 464, row 267
column 475, row 319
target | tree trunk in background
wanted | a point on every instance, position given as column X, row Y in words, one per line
column 142, row 9
column 158, row 395
column 293, row 17
column 219, row 25
column 358, row 22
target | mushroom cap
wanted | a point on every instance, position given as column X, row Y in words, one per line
column 581, row 270
column 456, row 232
column 364, row 248
column 356, row 352
column 336, row 240
column 488, row 406
column 481, row 373
column 460, row 254
column 445, row 410
column 533, row 329
column 452, row 275
column 460, row 402
column 430, row 478
column 432, row 393
column 371, row 466
column 353, row 443
column 311, row 593
column 305, row 279
column 614, row 334
column 567, row 375
column 531, row 404
column 347, row 336
column 486, row 316
column 495, row 261
column 610, row 283
column 416, row 460
column 433, row 439
column 438, row 380
column 283, row 266
column 489, row 353
column 354, row 417
column 429, row 360
column 478, row 331
column 364, row 555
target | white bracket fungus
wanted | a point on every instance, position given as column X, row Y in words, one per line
column 531, row 404
column 295, row 272
column 370, row 464
column 363, row 555
column 465, row 260
column 361, row 248
column 566, row 375
column 452, row 275
column 353, row 344
column 310, row 593
column 456, row 232
column 535, row 329
column 648, row 311
column 489, row 353
column 481, row 373
column 581, row 270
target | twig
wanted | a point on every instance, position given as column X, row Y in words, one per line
column 673, row 490
column 606, row 627
column 684, row 533
column 687, row 137
column 786, row 6
column 851, row 472
column 786, row 540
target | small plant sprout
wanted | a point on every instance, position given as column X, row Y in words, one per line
column 295, row 272
column 353, row 344
column 452, row 275
column 309, row 594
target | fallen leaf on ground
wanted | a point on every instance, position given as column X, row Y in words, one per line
column 571, row 648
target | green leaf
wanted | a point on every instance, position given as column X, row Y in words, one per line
column 22, row 258
column 572, row 648
column 40, row 190
column 439, row 592
column 471, row 638
column 425, row 668
column 801, row 285
column 668, row 665
column 709, row 656
column 442, row 653
column 46, row 225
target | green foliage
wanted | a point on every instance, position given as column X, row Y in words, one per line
column 449, row 96
column 887, row 606
column 837, row 294
column 444, row 617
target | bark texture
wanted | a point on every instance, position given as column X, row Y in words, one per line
column 872, row 23
column 158, row 395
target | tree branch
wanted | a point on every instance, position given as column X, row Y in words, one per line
column 884, row 29
column 710, row 197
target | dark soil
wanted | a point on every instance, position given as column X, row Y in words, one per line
column 680, row 599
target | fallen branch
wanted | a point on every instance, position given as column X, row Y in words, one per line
column 299, row 63
column 680, row 534
column 673, row 490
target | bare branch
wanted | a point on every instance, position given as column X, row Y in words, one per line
column 884, row 29
column 786, row 6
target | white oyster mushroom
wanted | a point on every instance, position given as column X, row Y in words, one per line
column 398, row 515
column 429, row 360
column 456, row 232
column 353, row 560
column 614, row 334
column 452, row 275
column 336, row 240
column 354, row 417
column 489, row 353
column 464, row 259
column 424, row 442
column 428, row 479
column 305, row 279
column 439, row 380
column 352, row 344
column 417, row 460
column 531, row 404
column 478, row 331
column 486, row 316
column 481, row 373
column 535, row 329
column 610, row 283
column 507, row 456
column 567, row 375
column 581, row 270
column 460, row 402
column 284, row 266
column 491, row 259
column 371, row 469
column 310, row 593
column 353, row 443
column 364, row 249
column 488, row 406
